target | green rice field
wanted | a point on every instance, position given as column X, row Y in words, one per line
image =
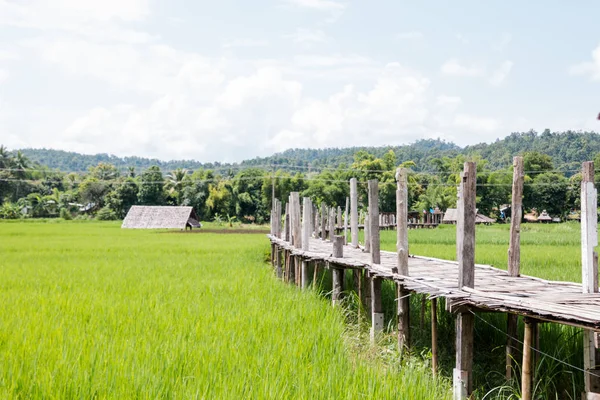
column 90, row 311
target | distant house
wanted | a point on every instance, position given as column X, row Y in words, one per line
column 451, row 217
column 161, row 217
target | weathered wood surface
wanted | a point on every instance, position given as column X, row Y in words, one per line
column 495, row 289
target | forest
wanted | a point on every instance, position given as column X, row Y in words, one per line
column 45, row 184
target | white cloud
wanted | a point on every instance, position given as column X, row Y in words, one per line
column 410, row 35
column 451, row 101
column 462, row 38
column 6, row 55
column 308, row 36
column 453, row 67
column 500, row 74
column 334, row 60
column 476, row 124
column 324, row 5
column 3, row 75
column 245, row 42
column 590, row 68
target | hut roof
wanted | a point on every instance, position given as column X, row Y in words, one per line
column 451, row 216
column 544, row 216
column 160, row 217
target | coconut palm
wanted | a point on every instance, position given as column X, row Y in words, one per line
column 176, row 180
column 5, row 160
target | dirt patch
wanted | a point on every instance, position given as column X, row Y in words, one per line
column 224, row 231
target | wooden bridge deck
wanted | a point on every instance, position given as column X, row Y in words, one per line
column 495, row 289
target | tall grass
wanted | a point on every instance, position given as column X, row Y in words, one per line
column 93, row 311
column 547, row 251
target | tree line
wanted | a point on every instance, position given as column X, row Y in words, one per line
column 29, row 189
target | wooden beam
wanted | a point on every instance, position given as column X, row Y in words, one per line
column 465, row 241
column 337, row 273
column 374, row 221
column 514, row 258
column 527, row 367
column 366, row 233
column 589, row 268
column 354, row 212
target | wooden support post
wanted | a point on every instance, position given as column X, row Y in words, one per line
column 465, row 241
column 403, row 316
column 323, row 220
column 339, row 217
column 527, row 368
column 337, row 273
column 376, row 308
column 346, row 222
column 589, row 271
column 374, row 221
column 306, row 222
column 403, row 305
column 279, row 270
column 354, row 212
column 316, row 221
column 514, row 258
column 434, row 352
column 422, row 314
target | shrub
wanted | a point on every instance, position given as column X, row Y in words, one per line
column 65, row 214
column 106, row 214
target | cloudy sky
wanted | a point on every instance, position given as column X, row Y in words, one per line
column 236, row 79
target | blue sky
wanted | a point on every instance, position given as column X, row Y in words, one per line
column 230, row 80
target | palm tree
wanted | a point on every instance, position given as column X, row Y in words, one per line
column 4, row 157
column 20, row 164
column 176, row 180
column 131, row 172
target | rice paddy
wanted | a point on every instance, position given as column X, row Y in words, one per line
column 93, row 311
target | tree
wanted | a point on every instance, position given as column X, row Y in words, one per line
column 104, row 172
column 92, row 192
column 175, row 182
column 123, row 197
column 151, row 187
column 535, row 163
column 550, row 193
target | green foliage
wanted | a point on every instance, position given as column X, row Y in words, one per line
column 65, row 214
column 10, row 211
column 106, row 214
column 151, row 191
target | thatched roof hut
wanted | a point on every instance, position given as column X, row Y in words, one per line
column 544, row 217
column 451, row 217
column 161, row 217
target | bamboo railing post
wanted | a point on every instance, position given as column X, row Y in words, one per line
column 376, row 304
column 403, row 306
column 514, row 257
column 306, row 222
column 366, row 232
column 331, row 223
column 339, row 217
column 346, row 222
column 465, row 238
column 323, row 220
column 354, row 212
column 337, row 273
column 589, row 271
column 286, row 223
column 297, row 233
